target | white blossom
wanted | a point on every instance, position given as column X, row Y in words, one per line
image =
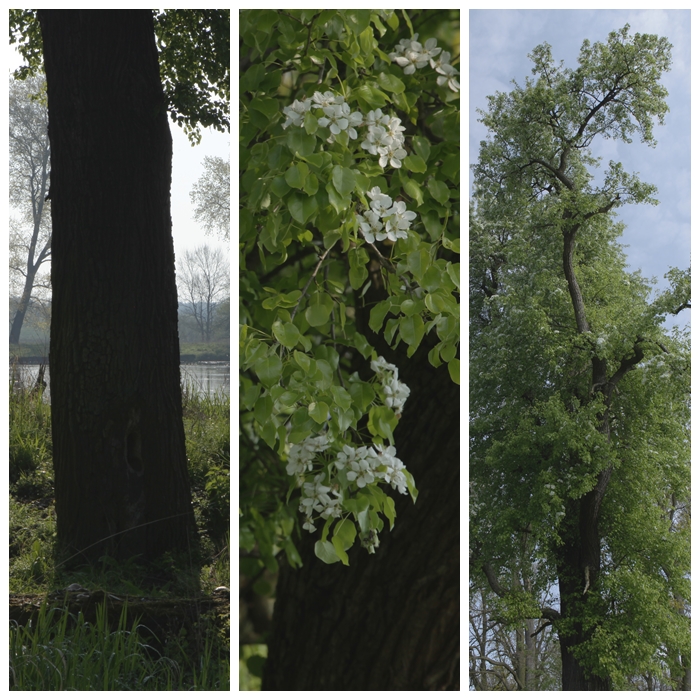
column 326, row 99
column 301, row 456
column 391, row 154
column 383, row 206
column 372, row 227
column 295, row 113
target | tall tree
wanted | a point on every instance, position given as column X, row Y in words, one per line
column 118, row 442
column 349, row 240
column 30, row 238
column 211, row 196
column 579, row 397
column 204, row 283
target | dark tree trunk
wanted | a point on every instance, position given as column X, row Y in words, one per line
column 118, row 441
column 389, row 621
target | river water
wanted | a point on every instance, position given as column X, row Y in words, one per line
column 207, row 378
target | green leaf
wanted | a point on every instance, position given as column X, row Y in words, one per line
column 296, row 175
column 341, row 397
column 413, row 190
column 250, row 396
column 286, row 333
column 319, row 412
column 415, row 164
column 391, row 83
column 311, row 184
column 356, row 20
column 358, row 260
column 453, row 367
column 421, row 146
column 382, row 421
column 390, row 511
column 439, row 190
column 268, row 106
column 370, row 97
column 412, row 329
column 310, row 123
column 299, row 142
column 346, row 533
column 340, row 550
column 268, row 369
column 325, row 551
column 317, row 315
column 362, row 394
column 377, row 315
column 302, row 208
column 304, row 361
column 343, row 180
column 432, row 224
column 263, row 409
column 338, row 202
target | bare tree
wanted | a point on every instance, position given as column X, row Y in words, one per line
column 30, row 226
column 211, row 196
column 203, row 283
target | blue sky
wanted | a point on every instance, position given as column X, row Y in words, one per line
column 499, row 41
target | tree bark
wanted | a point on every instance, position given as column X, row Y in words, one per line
column 118, row 441
column 389, row 621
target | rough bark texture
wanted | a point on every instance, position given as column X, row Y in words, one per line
column 118, row 441
column 389, row 621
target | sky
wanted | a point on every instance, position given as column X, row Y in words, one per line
column 499, row 42
column 188, row 166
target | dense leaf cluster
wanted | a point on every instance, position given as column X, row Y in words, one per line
column 309, row 274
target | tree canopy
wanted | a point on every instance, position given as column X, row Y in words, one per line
column 579, row 395
column 194, row 55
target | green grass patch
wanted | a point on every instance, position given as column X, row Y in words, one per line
column 64, row 652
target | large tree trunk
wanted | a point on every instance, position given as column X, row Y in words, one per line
column 389, row 621
column 118, row 440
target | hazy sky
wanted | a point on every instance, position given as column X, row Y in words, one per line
column 187, row 169
column 499, row 41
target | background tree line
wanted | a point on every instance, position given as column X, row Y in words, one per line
column 203, row 279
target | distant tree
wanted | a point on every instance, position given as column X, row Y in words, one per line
column 222, row 320
column 30, row 228
column 118, row 441
column 204, row 282
column 211, row 196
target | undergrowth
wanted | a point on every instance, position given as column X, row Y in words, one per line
column 59, row 651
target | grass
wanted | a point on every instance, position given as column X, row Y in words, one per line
column 60, row 650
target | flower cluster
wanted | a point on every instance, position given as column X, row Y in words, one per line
column 360, row 465
column 317, row 497
column 364, row 465
column 395, row 392
column 301, row 456
column 385, row 219
column 411, row 55
column 384, row 137
column 352, row 466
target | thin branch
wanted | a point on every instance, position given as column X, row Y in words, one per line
column 313, row 276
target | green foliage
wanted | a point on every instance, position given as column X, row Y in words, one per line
column 314, row 84
column 564, row 389
column 64, row 652
column 194, row 54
